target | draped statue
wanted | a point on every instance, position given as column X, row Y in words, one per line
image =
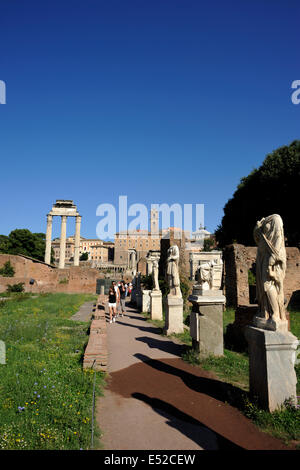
column 270, row 267
column 155, row 275
column 173, row 271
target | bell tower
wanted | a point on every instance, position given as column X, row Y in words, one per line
column 154, row 221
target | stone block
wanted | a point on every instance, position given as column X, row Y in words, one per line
column 146, row 301
column 156, row 312
column 272, row 376
column 206, row 329
column 138, row 300
column 174, row 315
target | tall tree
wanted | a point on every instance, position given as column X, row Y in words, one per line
column 23, row 242
column 273, row 188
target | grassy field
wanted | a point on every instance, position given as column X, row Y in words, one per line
column 46, row 397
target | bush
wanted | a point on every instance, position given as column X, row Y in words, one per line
column 147, row 282
column 7, row 270
column 16, row 287
column 251, row 278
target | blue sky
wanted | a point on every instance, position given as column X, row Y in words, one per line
column 163, row 101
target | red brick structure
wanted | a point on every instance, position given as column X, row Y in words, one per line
column 46, row 278
column 96, row 355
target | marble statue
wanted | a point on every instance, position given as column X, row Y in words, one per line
column 173, row 271
column 204, row 275
column 270, row 268
column 155, row 275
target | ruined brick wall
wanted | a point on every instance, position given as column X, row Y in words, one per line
column 48, row 279
column 142, row 266
column 238, row 259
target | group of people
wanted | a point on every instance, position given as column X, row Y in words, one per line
column 116, row 299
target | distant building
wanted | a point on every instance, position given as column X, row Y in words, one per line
column 196, row 241
column 133, row 248
column 98, row 251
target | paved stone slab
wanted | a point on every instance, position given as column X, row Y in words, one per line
column 85, row 312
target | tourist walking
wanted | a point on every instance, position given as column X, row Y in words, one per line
column 122, row 298
column 117, row 291
column 112, row 304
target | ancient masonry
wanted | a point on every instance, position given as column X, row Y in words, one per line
column 96, row 355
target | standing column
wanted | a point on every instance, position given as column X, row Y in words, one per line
column 62, row 251
column 48, row 239
column 77, row 240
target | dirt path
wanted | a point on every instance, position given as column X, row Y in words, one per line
column 156, row 401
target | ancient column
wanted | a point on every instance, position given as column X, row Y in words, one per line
column 48, row 239
column 62, row 251
column 77, row 240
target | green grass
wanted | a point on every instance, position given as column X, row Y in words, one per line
column 295, row 322
column 46, row 397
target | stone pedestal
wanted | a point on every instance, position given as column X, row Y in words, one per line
column 174, row 315
column 206, row 322
column 133, row 295
column 138, row 300
column 146, row 301
column 156, row 312
column 272, row 376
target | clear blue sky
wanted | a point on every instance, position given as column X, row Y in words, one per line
column 162, row 101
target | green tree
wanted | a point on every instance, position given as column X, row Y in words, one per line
column 270, row 189
column 7, row 270
column 23, row 242
column 84, row 257
column 208, row 244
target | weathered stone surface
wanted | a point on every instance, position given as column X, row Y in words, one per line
column 206, row 324
column 156, row 312
column 146, row 301
column 272, row 375
column 174, row 315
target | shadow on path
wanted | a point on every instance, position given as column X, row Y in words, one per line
column 187, row 425
column 166, row 346
column 149, row 329
column 214, row 388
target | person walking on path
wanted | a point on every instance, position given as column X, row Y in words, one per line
column 117, row 291
column 112, row 304
column 122, row 298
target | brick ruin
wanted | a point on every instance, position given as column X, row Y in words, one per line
column 39, row 277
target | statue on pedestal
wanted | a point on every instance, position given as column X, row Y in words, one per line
column 204, row 275
column 155, row 275
column 270, row 268
column 173, row 272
